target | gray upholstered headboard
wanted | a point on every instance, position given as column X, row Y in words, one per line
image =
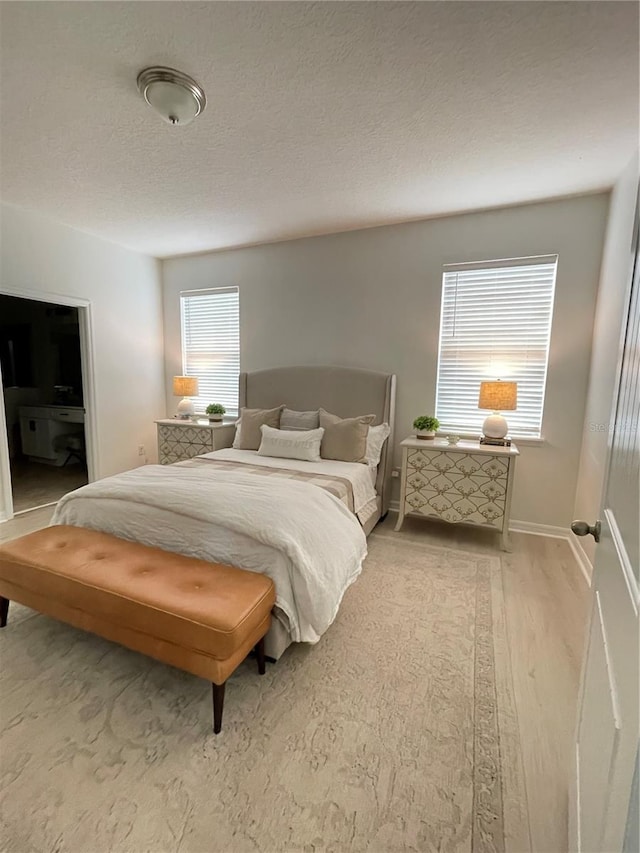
column 345, row 391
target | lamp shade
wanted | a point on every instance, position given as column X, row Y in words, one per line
column 498, row 396
column 185, row 386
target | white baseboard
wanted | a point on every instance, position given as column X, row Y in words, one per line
column 539, row 529
column 534, row 529
column 581, row 556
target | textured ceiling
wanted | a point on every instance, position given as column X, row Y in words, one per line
column 320, row 117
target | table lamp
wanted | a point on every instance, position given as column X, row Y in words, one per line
column 185, row 387
column 499, row 397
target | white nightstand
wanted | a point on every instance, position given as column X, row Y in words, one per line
column 468, row 483
column 179, row 440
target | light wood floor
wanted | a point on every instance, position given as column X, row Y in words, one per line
column 34, row 484
column 25, row 523
column 546, row 601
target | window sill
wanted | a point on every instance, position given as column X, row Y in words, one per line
column 521, row 441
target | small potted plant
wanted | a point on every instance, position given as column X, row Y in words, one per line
column 426, row 426
column 215, row 412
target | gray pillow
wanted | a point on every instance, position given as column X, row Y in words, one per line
column 251, row 421
column 299, row 420
column 344, row 439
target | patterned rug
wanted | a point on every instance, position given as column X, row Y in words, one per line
column 391, row 734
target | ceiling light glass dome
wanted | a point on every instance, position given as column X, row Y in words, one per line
column 175, row 96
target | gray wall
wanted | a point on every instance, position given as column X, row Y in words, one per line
column 607, row 339
column 44, row 259
column 371, row 299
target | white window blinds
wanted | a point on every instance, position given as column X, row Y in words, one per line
column 495, row 324
column 211, row 344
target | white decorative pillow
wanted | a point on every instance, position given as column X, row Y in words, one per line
column 290, row 419
column 375, row 442
column 291, row 444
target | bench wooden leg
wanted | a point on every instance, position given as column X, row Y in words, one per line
column 260, row 657
column 4, row 611
column 218, row 689
column 218, row 704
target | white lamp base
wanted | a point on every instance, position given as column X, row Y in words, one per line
column 186, row 409
column 495, row 426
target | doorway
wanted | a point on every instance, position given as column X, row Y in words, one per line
column 43, row 400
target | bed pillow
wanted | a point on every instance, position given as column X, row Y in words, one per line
column 344, row 439
column 236, row 436
column 291, row 444
column 248, row 435
column 299, row 420
column 375, row 442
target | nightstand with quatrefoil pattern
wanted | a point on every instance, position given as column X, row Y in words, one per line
column 468, row 482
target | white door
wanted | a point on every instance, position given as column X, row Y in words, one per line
column 603, row 809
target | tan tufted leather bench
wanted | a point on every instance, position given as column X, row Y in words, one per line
column 202, row 617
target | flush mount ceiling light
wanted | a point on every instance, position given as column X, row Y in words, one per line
column 176, row 96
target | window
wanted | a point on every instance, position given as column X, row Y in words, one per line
column 211, row 344
column 495, row 324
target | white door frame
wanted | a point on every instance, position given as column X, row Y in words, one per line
column 88, row 391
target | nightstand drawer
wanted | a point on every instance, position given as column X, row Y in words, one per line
column 454, row 507
column 455, row 480
column 458, row 465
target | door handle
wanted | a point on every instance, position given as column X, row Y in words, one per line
column 581, row 528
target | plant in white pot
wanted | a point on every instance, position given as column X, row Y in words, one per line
column 426, row 426
column 215, row 412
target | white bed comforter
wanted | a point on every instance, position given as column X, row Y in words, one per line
column 304, row 538
column 361, row 477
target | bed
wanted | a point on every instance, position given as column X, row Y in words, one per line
column 302, row 523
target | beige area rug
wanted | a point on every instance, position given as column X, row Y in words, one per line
column 396, row 732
